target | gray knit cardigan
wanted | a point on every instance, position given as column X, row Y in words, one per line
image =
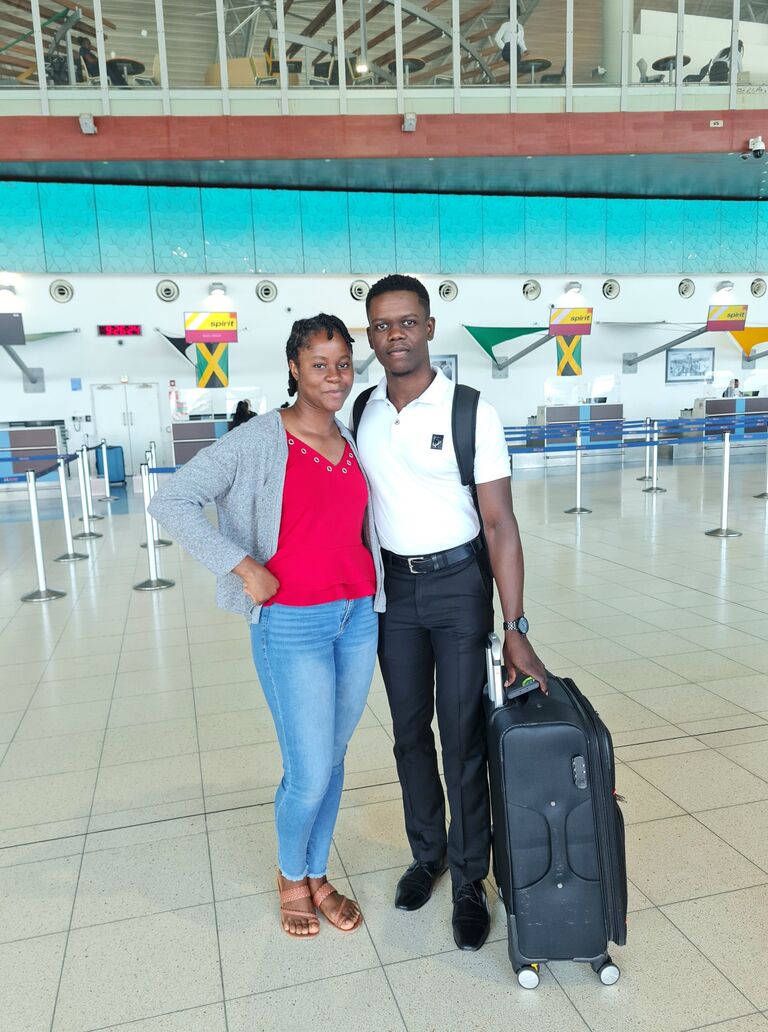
column 243, row 473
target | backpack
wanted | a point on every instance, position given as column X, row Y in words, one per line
column 463, row 428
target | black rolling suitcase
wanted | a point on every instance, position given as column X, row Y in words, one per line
column 558, row 831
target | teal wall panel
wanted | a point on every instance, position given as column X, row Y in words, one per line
column 701, row 236
column 325, row 228
column 664, row 227
column 68, row 216
column 277, row 231
column 228, row 231
column 625, row 236
column 461, row 233
column 738, row 235
column 372, row 233
column 125, row 231
column 504, row 235
column 417, row 233
column 22, row 246
column 73, row 227
column 545, row 233
column 585, row 219
column 177, row 229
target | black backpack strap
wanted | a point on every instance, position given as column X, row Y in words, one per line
column 357, row 409
column 463, row 427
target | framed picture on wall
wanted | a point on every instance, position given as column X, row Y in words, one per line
column 448, row 364
column 690, row 365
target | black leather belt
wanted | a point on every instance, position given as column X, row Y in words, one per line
column 434, row 562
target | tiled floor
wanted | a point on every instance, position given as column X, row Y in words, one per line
column 138, row 765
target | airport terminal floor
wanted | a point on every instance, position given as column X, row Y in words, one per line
column 139, row 763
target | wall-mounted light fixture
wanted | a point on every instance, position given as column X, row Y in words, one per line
column 573, row 287
column 725, row 284
column 217, row 289
column 9, row 287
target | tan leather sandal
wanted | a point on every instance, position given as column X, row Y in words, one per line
column 292, row 895
column 319, row 897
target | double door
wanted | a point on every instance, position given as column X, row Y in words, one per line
column 128, row 414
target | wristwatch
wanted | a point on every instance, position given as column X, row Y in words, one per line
column 521, row 625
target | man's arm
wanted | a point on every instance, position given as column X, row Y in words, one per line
column 506, row 554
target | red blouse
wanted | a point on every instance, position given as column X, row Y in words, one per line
column 320, row 553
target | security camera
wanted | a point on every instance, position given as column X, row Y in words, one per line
column 757, row 146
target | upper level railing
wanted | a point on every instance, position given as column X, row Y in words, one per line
column 382, row 56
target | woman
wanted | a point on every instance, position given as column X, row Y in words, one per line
column 296, row 552
column 243, row 412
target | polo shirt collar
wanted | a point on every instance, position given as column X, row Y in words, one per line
column 435, row 394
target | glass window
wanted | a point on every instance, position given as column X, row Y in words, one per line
column 654, row 42
column 192, row 44
column 369, row 44
column 18, row 62
column 130, row 43
column 597, row 43
column 707, row 42
column 541, row 44
column 753, row 66
column 480, row 54
column 252, row 52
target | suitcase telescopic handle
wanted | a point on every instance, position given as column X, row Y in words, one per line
column 493, row 661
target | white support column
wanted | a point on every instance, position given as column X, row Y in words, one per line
column 282, row 57
column 569, row 55
column 735, row 26
column 221, row 24
column 101, row 49
column 513, row 61
column 341, row 56
column 678, row 71
column 456, row 54
column 397, row 9
column 162, row 53
column 42, row 78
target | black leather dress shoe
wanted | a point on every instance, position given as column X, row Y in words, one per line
column 415, row 887
column 471, row 917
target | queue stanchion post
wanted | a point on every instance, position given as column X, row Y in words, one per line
column 647, row 474
column 160, row 542
column 654, row 488
column 43, row 593
column 82, row 475
column 92, row 515
column 154, row 483
column 578, row 508
column 153, row 583
column 764, row 494
column 70, row 556
column 107, row 496
column 724, row 531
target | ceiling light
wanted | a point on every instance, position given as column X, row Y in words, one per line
column 361, row 67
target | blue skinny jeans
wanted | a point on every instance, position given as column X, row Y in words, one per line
column 315, row 664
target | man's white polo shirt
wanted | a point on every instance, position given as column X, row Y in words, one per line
column 419, row 502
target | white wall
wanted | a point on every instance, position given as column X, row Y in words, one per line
column 258, row 359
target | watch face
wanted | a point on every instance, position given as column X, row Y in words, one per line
column 522, row 625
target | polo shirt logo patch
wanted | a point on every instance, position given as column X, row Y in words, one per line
column 437, row 441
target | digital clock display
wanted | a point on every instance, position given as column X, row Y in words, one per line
column 120, row 330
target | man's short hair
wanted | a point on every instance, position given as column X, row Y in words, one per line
column 396, row 282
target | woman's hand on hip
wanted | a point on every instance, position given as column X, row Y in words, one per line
column 258, row 583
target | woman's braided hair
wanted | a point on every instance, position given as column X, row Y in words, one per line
column 301, row 332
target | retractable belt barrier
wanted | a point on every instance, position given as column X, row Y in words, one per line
column 756, row 424
column 153, row 582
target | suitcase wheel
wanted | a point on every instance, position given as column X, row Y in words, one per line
column 609, row 973
column 528, row 976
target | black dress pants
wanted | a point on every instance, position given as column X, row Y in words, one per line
column 432, row 649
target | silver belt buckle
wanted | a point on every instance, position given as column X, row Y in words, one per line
column 414, row 559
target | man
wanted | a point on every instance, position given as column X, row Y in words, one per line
column 503, row 39
column 439, row 598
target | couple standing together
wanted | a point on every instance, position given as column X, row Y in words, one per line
column 334, row 549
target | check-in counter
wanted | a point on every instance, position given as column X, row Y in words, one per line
column 551, row 415
column 716, row 408
column 190, row 436
column 27, row 440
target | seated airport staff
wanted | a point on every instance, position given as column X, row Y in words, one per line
column 503, row 38
column 296, row 553
column 242, row 414
column 732, row 390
